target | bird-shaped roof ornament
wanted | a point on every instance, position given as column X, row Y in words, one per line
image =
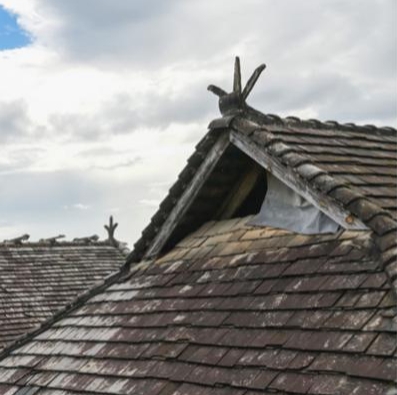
column 235, row 101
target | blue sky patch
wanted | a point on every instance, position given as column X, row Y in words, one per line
column 11, row 34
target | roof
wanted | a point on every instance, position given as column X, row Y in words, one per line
column 350, row 166
column 233, row 309
column 41, row 279
column 217, row 306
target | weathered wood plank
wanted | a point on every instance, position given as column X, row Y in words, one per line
column 240, row 192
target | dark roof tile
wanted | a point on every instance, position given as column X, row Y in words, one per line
column 384, row 344
column 359, row 342
column 292, row 382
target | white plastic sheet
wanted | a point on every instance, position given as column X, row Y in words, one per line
column 284, row 208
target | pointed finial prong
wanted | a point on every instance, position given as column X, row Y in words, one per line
column 237, row 76
column 216, row 91
column 251, row 82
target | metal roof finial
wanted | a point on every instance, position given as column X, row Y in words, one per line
column 235, row 101
column 111, row 229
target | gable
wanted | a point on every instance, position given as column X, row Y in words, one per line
column 204, row 188
column 329, row 188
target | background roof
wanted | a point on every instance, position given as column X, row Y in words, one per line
column 38, row 281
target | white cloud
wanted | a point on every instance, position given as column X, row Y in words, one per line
column 150, row 202
column 106, row 104
column 78, row 206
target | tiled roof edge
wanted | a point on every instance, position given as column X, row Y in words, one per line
column 32, row 244
column 264, row 119
column 116, row 244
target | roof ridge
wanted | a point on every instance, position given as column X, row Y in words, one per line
column 46, row 243
column 93, row 240
column 120, row 246
column 326, row 125
column 234, row 103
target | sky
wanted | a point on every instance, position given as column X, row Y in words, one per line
column 102, row 102
column 11, row 34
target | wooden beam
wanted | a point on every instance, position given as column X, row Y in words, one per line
column 188, row 195
column 240, row 192
column 322, row 201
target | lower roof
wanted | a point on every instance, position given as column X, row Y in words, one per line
column 232, row 309
column 38, row 280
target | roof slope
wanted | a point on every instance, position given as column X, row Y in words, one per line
column 38, row 279
column 231, row 310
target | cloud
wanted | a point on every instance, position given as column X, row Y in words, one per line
column 78, row 206
column 14, row 120
column 150, row 202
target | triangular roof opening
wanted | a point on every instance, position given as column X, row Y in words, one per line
column 235, row 187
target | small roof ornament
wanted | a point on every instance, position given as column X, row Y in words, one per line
column 111, row 229
column 18, row 240
column 86, row 240
column 235, row 101
column 52, row 240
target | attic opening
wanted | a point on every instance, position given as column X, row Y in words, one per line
column 238, row 187
column 235, row 188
